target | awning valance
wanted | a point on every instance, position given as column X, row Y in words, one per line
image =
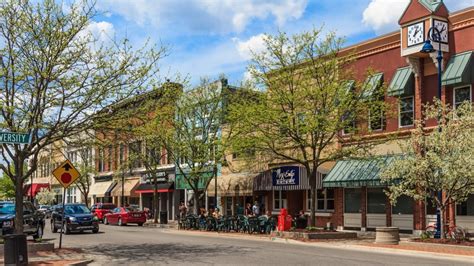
column 459, row 69
column 402, row 82
column 149, row 188
column 128, row 188
column 283, row 178
column 32, row 190
column 102, row 189
column 372, row 84
column 357, row 173
column 235, row 184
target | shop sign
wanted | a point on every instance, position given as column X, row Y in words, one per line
column 286, row 175
column 161, row 177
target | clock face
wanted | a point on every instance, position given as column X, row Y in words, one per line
column 416, row 34
column 442, row 27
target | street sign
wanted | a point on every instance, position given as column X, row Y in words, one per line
column 14, row 138
column 66, row 174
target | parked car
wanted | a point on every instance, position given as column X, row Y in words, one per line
column 78, row 218
column 100, row 209
column 33, row 219
column 46, row 210
column 123, row 216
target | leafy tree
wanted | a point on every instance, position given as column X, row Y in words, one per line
column 56, row 75
column 45, row 196
column 7, row 188
column 307, row 99
column 196, row 146
column 436, row 160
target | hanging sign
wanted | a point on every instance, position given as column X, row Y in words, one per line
column 286, row 175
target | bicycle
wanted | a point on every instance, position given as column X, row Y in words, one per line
column 454, row 232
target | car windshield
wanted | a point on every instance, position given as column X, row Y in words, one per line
column 76, row 209
column 108, row 207
column 7, row 208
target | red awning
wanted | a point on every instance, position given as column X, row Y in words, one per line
column 35, row 188
column 149, row 188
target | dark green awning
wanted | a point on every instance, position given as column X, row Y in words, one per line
column 182, row 183
column 356, row 173
column 459, row 70
column 402, row 82
column 371, row 84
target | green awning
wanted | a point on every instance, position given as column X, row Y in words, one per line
column 350, row 84
column 459, row 70
column 371, row 84
column 356, row 173
column 402, row 82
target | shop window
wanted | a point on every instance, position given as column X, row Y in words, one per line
column 404, row 205
column 352, row 200
column 279, row 199
column 406, row 111
column 228, row 205
column 466, row 208
column 461, row 95
column 376, row 200
column 325, row 199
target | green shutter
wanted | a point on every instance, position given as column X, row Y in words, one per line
column 459, row 70
column 402, row 82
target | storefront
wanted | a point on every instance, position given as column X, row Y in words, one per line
column 186, row 193
column 30, row 190
column 101, row 189
column 127, row 188
column 168, row 197
column 234, row 190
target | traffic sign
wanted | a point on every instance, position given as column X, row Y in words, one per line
column 14, row 138
column 66, row 174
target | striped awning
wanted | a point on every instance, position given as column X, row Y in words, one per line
column 264, row 181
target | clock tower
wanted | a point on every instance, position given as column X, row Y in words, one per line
column 417, row 19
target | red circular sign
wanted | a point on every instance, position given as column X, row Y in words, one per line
column 66, row 178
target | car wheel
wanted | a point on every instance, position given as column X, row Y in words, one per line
column 39, row 232
column 53, row 227
column 140, row 224
column 95, row 231
column 105, row 221
column 66, row 230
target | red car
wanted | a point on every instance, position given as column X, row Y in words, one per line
column 101, row 209
column 122, row 216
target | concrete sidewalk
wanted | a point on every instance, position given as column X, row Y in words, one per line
column 65, row 256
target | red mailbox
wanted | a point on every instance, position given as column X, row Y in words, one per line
column 284, row 220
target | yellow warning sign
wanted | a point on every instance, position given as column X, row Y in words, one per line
column 66, row 174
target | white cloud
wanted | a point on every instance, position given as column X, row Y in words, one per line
column 205, row 15
column 254, row 44
column 382, row 15
column 102, row 31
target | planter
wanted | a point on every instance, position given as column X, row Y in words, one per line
column 316, row 235
column 387, row 235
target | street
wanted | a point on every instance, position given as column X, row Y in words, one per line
column 140, row 245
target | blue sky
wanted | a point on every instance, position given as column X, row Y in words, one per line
column 211, row 37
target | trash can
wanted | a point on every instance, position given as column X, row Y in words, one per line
column 15, row 250
column 163, row 217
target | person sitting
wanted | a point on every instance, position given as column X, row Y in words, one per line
column 216, row 214
column 301, row 220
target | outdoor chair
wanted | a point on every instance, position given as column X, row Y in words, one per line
column 253, row 225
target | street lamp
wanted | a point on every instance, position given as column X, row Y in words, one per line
column 435, row 35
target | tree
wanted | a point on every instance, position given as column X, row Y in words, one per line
column 56, row 75
column 436, row 160
column 196, row 146
column 308, row 97
column 7, row 188
column 45, row 196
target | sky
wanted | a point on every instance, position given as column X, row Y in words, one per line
column 207, row 38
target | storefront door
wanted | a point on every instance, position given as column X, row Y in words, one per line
column 376, row 200
column 352, row 207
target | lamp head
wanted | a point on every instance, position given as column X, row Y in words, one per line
column 427, row 47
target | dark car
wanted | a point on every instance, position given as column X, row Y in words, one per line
column 78, row 218
column 33, row 219
column 101, row 209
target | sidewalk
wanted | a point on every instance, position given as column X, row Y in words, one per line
column 65, row 256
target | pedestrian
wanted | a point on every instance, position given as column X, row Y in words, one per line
column 248, row 210
column 256, row 209
column 182, row 210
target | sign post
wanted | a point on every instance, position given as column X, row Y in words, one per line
column 66, row 174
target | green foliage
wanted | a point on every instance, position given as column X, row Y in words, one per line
column 45, row 197
column 7, row 188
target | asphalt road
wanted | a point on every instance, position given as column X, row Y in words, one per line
column 131, row 244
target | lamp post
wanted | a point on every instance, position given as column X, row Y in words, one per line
column 435, row 35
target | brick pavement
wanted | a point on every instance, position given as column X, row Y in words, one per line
column 433, row 248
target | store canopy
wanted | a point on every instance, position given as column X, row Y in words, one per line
column 182, row 182
column 32, row 190
column 235, row 184
column 149, row 188
column 128, row 188
column 402, row 82
column 273, row 179
column 459, row 70
column 102, row 189
column 372, row 84
column 357, row 173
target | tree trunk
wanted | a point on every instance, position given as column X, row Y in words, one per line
column 86, row 199
column 155, row 199
column 196, row 198
column 441, row 218
column 19, row 195
column 312, row 174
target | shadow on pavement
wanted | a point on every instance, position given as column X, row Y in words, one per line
column 163, row 252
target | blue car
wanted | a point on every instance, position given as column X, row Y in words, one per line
column 78, row 218
column 33, row 219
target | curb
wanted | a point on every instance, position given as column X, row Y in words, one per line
column 81, row 263
column 413, row 243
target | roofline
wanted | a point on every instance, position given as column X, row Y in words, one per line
column 461, row 10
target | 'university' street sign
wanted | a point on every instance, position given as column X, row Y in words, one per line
column 14, row 138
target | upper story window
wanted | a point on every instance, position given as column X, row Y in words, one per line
column 376, row 117
column 406, row 111
column 100, row 159
column 461, row 94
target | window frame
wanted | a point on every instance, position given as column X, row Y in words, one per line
column 412, row 112
column 280, row 200
column 382, row 121
column 461, row 87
